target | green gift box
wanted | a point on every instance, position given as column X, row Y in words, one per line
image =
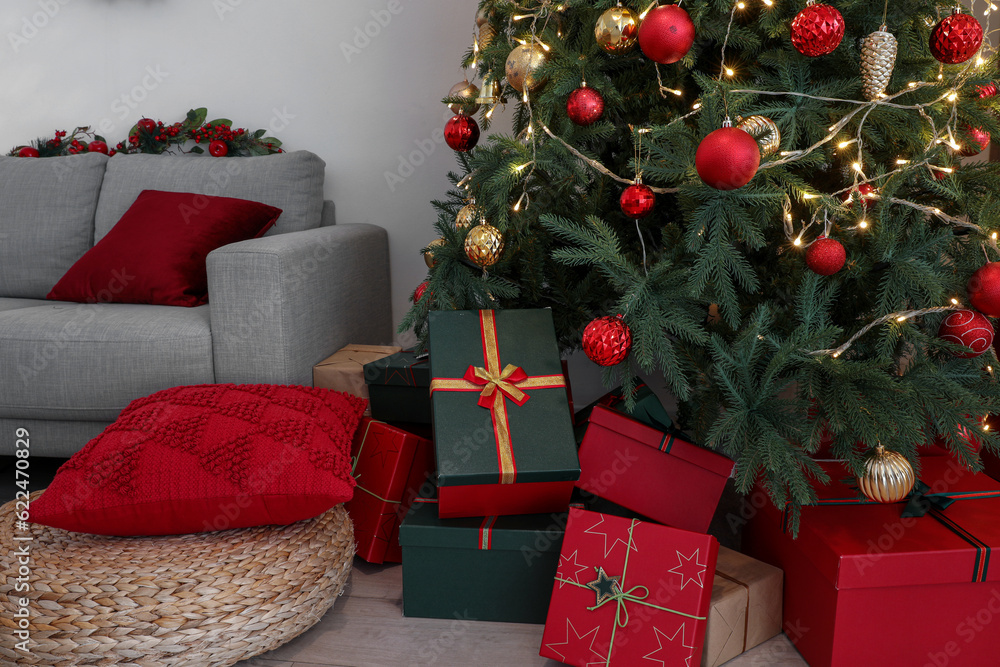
column 398, row 388
column 479, row 568
column 503, row 432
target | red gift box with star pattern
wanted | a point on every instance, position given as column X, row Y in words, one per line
column 390, row 465
column 629, row 592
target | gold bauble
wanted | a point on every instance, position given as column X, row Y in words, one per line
column 888, row 476
column 483, row 16
column 878, row 56
column 486, row 35
column 765, row 131
column 522, row 66
column 429, row 255
column 467, row 216
column 483, row 245
column 467, row 91
column 617, row 30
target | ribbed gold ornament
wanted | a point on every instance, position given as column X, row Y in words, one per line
column 878, row 56
column 764, row 130
column 483, row 245
column 486, row 35
column 467, row 91
column 888, row 476
column 467, row 216
column 429, row 255
column 522, row 65
column 617, row 30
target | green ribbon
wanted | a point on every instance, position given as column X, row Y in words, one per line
column 922, row 500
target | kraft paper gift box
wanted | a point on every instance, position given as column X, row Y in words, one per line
column 866, row 585
column 503, row 435
column 344, row 370
column 398, row 388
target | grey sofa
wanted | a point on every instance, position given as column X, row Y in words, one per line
column 277, row 304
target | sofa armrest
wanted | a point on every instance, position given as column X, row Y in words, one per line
column 282, row 303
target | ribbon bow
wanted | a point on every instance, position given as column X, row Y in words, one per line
column 506, row 382
column 620, row 597
column 922, row 500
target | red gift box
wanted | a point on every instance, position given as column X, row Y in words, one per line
column 390, row 465
column 865, row 585
column 629, row 592
column 657, row 474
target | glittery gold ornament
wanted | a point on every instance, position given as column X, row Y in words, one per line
column 888, row 476
column 764, row 130
column 617, row 30
column 486, row 35
column 483, row 245
column 429, row 255
column 878, row 56
column 522, row 67
column 467, row 216
column 467, row 91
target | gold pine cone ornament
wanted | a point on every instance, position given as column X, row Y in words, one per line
column 888, row 476
column 878, row 57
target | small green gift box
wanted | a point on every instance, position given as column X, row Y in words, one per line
column 398, row 388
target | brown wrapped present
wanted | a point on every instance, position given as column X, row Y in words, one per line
column 344, row 371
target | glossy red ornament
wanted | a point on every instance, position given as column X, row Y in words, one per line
column 817, row 30
column 585, row 106
column 987, row 90
column 666, row 34
column 727, row 159
column 956, row 38
column 968, row 328
column 984, row 289
column 147, row 124
column 979, row 139
column 28, row 151
column 865, row 192
column 607, row 340
column 419, row 292
column 637, row 201
column 461, row 133
column 826, row 256
column 218, row 148
column 97, row 147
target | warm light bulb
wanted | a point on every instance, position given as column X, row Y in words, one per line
column 729, row 72
column 901, row 318
column 797, row 242
column 863, row 224
column 769, row 3
column 519, row 168
column 912, row 84
column 788, row 216
column 902, row 161
column 993, row 236
column 952, row 96
column 843, row 144
column 856, row 166
column 741, row 5
column 696, row 105
column 809, row 195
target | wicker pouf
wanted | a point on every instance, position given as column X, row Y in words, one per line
column 205, row 599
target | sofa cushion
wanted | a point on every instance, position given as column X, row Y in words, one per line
column 14, row 304
column 47, row 208
column 292, row 182
column 88, row 361
column 156, row 253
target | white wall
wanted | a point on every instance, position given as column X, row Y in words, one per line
column 360, row 102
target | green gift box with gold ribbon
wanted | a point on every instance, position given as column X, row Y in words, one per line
column 503, row 431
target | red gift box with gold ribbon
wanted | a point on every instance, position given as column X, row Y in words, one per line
column 503, row 432
column 629, row 592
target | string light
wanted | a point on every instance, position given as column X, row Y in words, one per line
column 856, row 167
column 741, row 5
column 863, row 224
column 768, row 3
column 729, row 72
column 798, row 241
column 952, row 96
column 646, row 11
column 954, row 301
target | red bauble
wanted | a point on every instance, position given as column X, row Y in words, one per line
column 727, row 159
column 956, row 38
column 637, row 201
column 218, row 148
column 585, row 106
column 419, row 292
column 988, row 90
column 28, row 151
column 97, row 147
column 826, row 256
column 666, row 34
column 817, row 30
column 984, row 289
column 979, row 139
column 461, row 133
column 147, row 124
column 865, row 192
column 968, row 328
column 607, row 340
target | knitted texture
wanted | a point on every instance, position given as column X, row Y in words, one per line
column 209, row 457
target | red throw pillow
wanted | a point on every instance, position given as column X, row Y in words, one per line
column 156, row 252
column 209, row 457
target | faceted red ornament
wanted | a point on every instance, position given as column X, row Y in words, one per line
column 826, row 256
column 979, row 139
column 984, row 289
column 666, row 34
column 865, row 192
column 968, row 328
column 727, row 159
column 956, row 38
column 147, row 124
column 987, row 90
column 97, row 147
column 28, row 151
column 419, row 292
column 607, row 340
column 218, row 148
column 585, row 106
column 637, row 201
column 817, row 30
column 461, row 133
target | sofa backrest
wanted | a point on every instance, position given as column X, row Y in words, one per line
column 292, row 182
column 47, row 208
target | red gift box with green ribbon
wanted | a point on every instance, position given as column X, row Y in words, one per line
column 629, row 592
column 391, row 466
column 910, row 583
column 503, row 433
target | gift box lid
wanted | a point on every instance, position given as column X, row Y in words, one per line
column 359, row 354
column 855, row 543
column 668, row 442
column 422, row 528
column 403, row 369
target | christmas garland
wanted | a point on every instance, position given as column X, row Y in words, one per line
column 154, row 137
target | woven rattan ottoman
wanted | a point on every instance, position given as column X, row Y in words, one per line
column 204, row 600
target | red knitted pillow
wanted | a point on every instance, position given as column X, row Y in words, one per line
column 209, row 457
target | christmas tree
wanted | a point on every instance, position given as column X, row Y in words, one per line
column 763, row 200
